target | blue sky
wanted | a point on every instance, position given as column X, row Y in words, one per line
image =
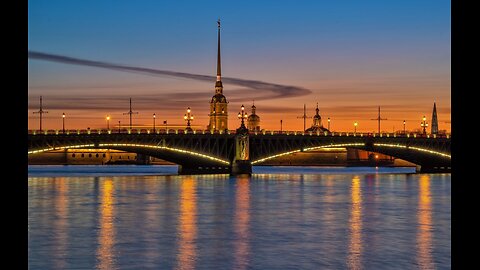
column 352, row 55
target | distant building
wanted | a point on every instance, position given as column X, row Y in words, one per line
column 317, row 123
column 253, row 120
column 434, row 120
column 218, row 104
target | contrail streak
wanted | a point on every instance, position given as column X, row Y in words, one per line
column 277, row 90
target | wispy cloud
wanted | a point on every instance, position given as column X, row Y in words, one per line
column 275, row 90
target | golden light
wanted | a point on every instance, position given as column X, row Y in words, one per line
column 188, row 110
column 63, row 115
column 154, row 116
column 185, row 117
column 243, row 108
column 108, row 117
column 239, row 115
column 376, row 156
column 424, row 118
column 355, row 124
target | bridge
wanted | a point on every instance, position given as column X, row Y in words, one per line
column 234, row 152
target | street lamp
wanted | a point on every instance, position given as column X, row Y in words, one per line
column 328, row 123
column 118, row 126
column 108, row 122
column 424, row 125
column 281, row 129
column 355, row 126
column 63, row 122
column 188, row 117
column 242, row 115
column 404, row 131
column 154, row 122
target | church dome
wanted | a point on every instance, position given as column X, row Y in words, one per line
column 218, row 98
column 253, row 117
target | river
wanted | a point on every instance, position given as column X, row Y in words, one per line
column 147, row 217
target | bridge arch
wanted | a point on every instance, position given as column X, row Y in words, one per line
column 175, row 155
column 418, row 155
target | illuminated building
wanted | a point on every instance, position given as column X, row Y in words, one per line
column 253, row 120
column 317, row 123
column 218, row 104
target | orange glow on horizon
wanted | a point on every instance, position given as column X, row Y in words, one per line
column 340, row 120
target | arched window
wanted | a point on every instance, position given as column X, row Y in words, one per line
column 104, row 155
column 89, row 155
column 96, row 155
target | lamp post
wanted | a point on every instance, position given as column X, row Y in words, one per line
column 355, row 126
column 424, row 125
column 118, row 126
column 281, row 128
column 108, row 122
column 242, row 115
column 188, row 117
column 63, row 123
column 404, row 130
column 154, row 116
column 328, row 123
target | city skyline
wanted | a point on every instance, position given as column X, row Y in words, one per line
column 396, row 56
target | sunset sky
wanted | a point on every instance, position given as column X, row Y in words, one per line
column 349, row 56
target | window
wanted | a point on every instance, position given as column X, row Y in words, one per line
column 104, row 155
column 73, row 155
column 96, row 155
column 89, row 155
column 83, row 155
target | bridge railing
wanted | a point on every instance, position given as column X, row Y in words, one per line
column 262, row 132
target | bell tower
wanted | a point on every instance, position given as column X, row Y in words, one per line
column 218, row 104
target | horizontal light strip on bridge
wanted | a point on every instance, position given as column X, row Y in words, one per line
column 165, row 148
column 60, row 148
column 414, row 148
column 308, row 149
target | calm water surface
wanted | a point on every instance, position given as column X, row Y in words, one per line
column 140, row 217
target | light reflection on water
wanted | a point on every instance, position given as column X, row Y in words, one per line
column 106, row 238
column 61, row 221
column 355, row 250
column 187, row 232
column 266, row 221
column 424, row 237
column 241, row 222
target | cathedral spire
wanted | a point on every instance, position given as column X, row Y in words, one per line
column 218, row 83
column 434, row 120
column 219, row 66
